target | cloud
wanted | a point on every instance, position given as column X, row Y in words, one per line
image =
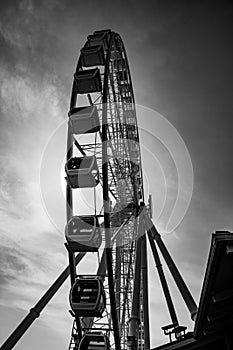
column 26, row 99
column 9, row 263
column 32, row 251
column 30, row 20
column 32, row 105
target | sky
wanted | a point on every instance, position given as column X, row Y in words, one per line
column 180, row 55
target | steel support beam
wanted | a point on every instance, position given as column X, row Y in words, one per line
column 184, row 291
column 163, row 281
column 145, row 296
column 118, row 278
column 69, row 197
column 71, row 264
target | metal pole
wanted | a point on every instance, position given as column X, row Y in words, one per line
column 118, row 277
column 164, row 284
column 72, row 280
column 145, row 292
column 134, row 320
column 184, row 291
column 36, row 310
column 137, row 281
column 69, row 197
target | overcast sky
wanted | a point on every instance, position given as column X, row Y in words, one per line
column 180, row 55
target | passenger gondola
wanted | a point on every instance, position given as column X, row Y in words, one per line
column 87, row 297
column 94, row 341
column 82, row 172
column 83, row 234
column 84, row 120
column 88, row 81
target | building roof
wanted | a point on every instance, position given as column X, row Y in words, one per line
column 215, row 311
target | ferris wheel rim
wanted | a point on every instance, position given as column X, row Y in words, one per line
column 105, row 96
column 129, row 246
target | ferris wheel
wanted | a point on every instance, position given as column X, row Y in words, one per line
column 103, row 153
column 106, row 213
column 110, row 308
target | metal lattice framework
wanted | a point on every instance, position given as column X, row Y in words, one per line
column 117, row 150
